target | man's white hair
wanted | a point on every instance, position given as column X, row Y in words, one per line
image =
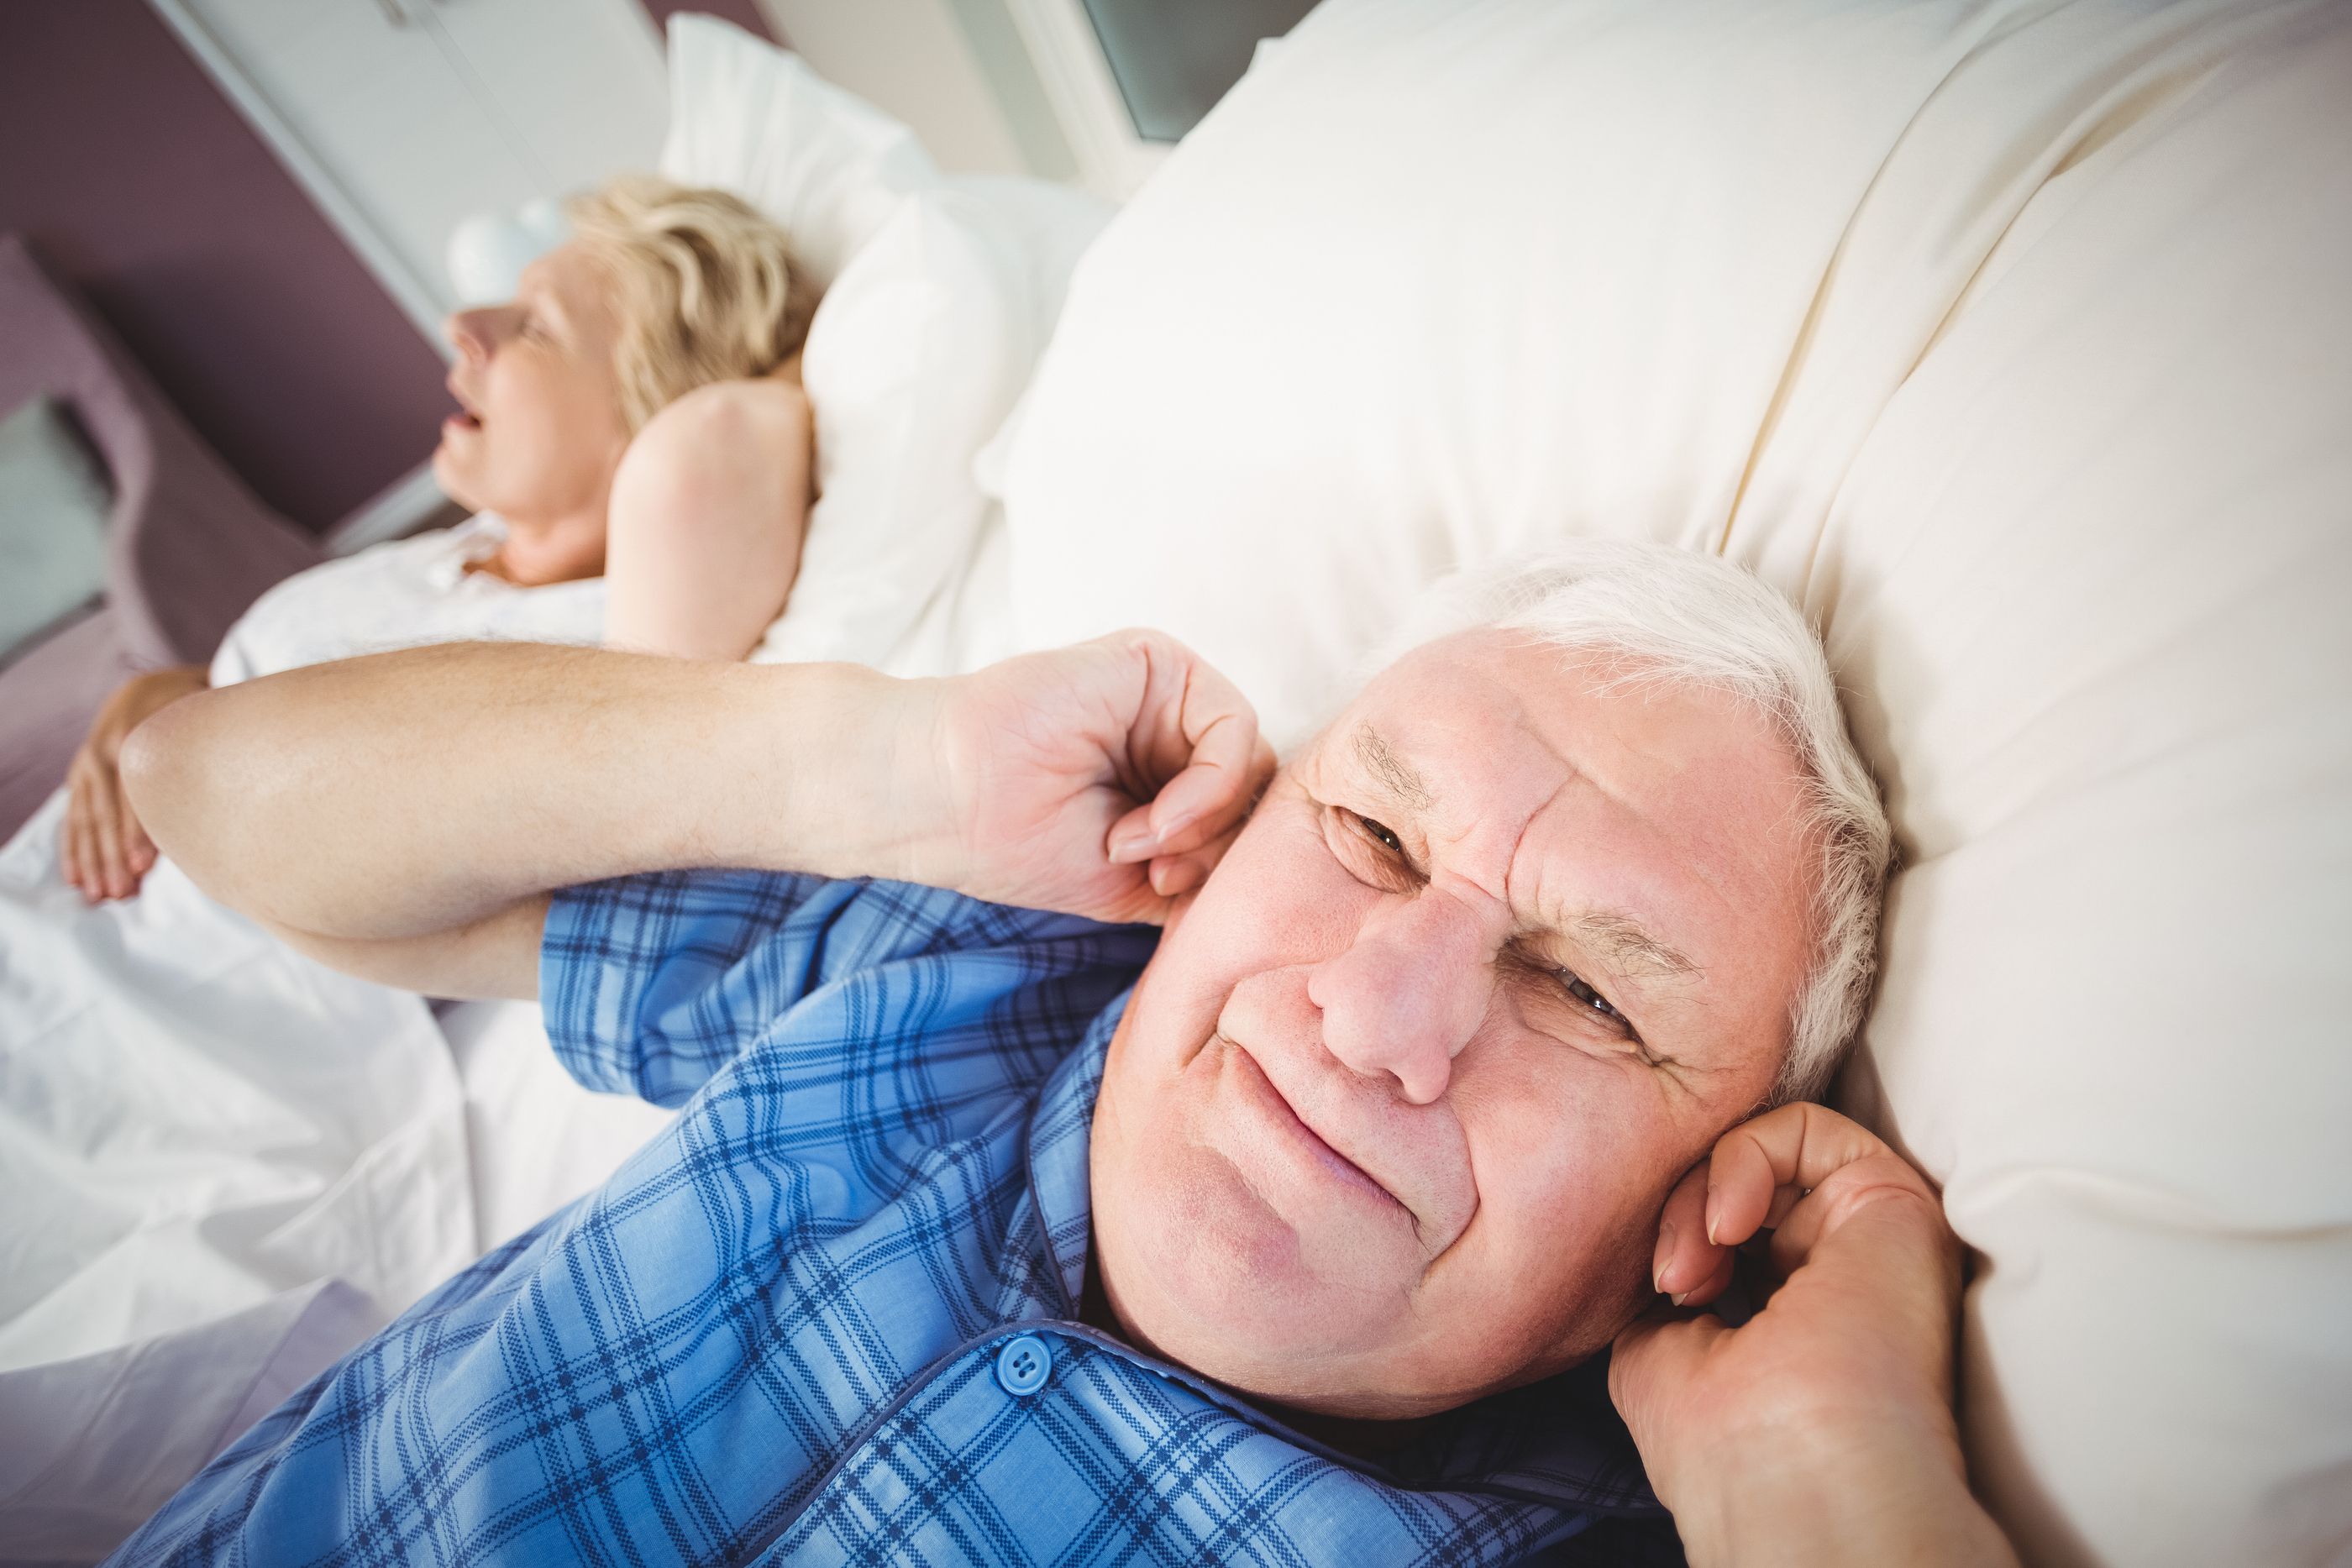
column 1649, row 612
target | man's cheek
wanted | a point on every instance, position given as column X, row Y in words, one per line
column 1289, row 902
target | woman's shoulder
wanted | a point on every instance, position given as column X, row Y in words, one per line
column 722, row 414
column 720, row 438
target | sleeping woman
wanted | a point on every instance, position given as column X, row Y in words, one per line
column 633, row 440
column 201, row 1131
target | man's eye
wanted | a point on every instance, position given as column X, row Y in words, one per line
column 1586, row 997
column 1381, row 834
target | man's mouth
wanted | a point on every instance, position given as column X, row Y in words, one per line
column 1340, row 1165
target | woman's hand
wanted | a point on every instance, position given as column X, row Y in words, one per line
column 1104, row 779
column 1820, row 1431
column 102, row 850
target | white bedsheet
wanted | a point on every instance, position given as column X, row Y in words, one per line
column 193, row 1117
column 223, row 1165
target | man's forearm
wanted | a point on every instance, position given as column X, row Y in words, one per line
column 1799, row 1505
column 418, row 791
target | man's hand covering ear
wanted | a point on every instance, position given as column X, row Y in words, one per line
column 1104, row 779
column 1820, row 1431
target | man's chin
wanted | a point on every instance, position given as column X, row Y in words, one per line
column 1224, row 1290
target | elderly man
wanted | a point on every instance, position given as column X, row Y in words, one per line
column 1291, row 1234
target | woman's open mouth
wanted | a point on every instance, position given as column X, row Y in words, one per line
column 467, row 417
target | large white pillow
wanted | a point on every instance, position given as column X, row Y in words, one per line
column 1385, row 310
column 916, row 355
column 2089, row 577
column 2012, row 339
column 824, row 163
column 939, row 294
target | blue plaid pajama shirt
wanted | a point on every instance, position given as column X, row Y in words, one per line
column 829, row 1316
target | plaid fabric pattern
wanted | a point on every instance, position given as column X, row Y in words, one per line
column 775, row 1335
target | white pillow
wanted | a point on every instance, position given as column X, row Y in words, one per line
column 2010, row 339
column 2089, row 578
column 940, row 296
column 916, row 355
column 825, row 164
column 1372, row 319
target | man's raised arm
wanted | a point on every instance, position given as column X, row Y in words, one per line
column 402, row 816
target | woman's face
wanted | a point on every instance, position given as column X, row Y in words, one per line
column 539, row 427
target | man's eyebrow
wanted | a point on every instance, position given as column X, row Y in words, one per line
column 1619, row 939
column 1391, row 771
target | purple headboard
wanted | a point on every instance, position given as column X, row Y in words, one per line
column 188, row 545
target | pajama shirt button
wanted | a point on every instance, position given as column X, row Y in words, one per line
column 1024, row 1364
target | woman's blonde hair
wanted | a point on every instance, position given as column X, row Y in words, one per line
column 706, row 288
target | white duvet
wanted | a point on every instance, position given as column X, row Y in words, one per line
column 221, row 1164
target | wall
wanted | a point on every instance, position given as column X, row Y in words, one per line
column 743, row 13
column 925, row 62
column 142, row 184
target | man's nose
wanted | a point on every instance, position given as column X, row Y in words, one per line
column 1406, row 996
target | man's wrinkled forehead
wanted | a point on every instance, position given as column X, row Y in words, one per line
column 1626, row 825
column 1407, row 730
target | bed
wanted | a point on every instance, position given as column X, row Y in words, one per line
column 226, row 1165
column 2010, row 339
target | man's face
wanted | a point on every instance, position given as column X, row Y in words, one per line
column 1390, row 1120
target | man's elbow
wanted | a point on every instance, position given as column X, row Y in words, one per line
column 192, row 778
column 165, row 772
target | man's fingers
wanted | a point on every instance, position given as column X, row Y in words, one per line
column 1172, row 875
column 1896, row 1196
column 1796, row 1147
column 1130, row 838
column 1199, row 734
column 1654, row 1356
column 1684, row 1257
column 1211, row 797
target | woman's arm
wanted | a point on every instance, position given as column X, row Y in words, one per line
column 102, row 849
column 703, row 532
